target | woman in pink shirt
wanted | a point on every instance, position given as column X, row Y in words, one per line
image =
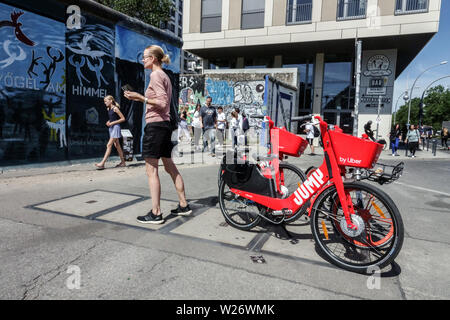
column 157, row 141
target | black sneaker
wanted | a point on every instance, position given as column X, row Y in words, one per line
column 151, row 218
column 180, row 211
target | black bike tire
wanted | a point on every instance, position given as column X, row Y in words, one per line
column 302, row 177
column 389, row 257
column 229, row 220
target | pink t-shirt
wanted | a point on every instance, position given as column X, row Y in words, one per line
column 159, row 89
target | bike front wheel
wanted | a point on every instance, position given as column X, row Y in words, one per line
column 379, row 237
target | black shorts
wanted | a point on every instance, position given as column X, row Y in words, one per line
column 157, row 140
column 310, row 141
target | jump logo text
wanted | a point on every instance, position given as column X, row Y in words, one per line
column 309, row 187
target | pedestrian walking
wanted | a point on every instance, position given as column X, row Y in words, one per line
column 157, row 142
column 234, row 128
column 115, row 118
column 245, row 127
column 221, row 125
column 208, row 116
column 183, row 130
column 444, row 138
column 412, row 139
column 394, row 138
column 197, row 126
column 309, row 129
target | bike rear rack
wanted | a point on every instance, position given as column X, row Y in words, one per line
column 384, row 173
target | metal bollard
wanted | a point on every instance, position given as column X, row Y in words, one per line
column 434, row 147
column 406, row 149
column 428, row 144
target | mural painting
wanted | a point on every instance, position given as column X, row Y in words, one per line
column 191, row 93
column 90, row 66
column 32, row 87
column 248, row 96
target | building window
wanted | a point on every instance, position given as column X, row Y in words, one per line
column 411, row 6
column 351, row 9
column 211, row 15
column 299, row 11
column 252, row 14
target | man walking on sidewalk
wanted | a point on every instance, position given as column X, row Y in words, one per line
column 208, row 118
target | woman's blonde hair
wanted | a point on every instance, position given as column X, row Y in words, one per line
column 159, row 54
column 113, row 101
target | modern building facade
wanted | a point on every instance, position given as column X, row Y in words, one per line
column 189, row 62
column 318, row 37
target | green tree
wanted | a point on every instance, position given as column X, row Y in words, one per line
column 152, row 12
column 436, row 109
column 437, row 106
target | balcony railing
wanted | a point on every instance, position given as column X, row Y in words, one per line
column 411, row 6
column 351, row 9
column 300, row 13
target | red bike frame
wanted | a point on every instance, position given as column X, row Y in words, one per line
column 328, row 174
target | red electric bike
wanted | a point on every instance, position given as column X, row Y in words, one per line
column 354, row 224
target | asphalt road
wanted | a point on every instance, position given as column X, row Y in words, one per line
column 49, row 253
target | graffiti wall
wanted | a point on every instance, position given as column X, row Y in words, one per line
column 54, row 76
column 32, row 87
column 90, row 66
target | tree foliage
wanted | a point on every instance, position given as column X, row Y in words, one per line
column 152, row 12
column 436, row 109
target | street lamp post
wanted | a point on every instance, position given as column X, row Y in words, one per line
column 405, row 97
column 412, row 88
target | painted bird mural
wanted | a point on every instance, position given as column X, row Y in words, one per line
column 17, row 28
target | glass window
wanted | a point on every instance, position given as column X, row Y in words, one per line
column 252, row 14
column 337, row 71
column 211, row 15
column 411, row 6
column 299, row 11
column 338, row 92
column 351, row 9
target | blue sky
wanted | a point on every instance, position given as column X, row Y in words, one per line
column 437, row 50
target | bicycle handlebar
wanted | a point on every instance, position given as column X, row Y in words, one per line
column 302, row 118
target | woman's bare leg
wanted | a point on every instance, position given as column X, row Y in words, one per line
column 151, row 166
column 109, row 145
column 172, row 170
column 119, row 151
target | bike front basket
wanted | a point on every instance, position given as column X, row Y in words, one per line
column 353, row 151
column 289, row 144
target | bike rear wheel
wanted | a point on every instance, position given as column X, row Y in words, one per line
column 290, row 177
column 380, row 228
column 239, row 212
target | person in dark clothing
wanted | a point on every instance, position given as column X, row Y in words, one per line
column 394, row 137
column 368, row 130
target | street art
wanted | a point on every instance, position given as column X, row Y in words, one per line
column 191, row 93
column 53, row 78
column 12, row 56
column 31, row 81
column 91, row 62
column 56, row 125
column 248, row 96
column 17, row 28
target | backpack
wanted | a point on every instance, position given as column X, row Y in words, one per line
column 316, row 132
column 174, row 115
column 245, row 125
